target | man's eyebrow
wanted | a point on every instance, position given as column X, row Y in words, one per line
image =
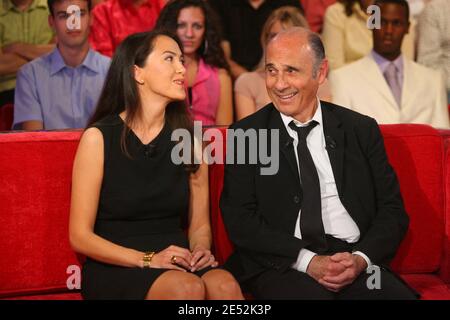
column 291, row 68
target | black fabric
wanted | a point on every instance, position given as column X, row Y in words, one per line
column 6, row 97
column 143, row 201
column 311, row 225
column 242, row 26
column 295, row 285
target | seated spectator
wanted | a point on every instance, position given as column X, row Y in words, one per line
column 210, row 96
column 24, row 36
column 250, row 88
column 434, row 38
column 60, row 90
column 314, row 12
column 242, row 22
column 114, row 20
column 388, row 86
column 417, row 6
column 346, row 35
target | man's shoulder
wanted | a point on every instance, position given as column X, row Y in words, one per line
column 347, row 117
column 352, row 68
column 102, row 61
column 257, row 120
column 421, row 73
column 40, row 65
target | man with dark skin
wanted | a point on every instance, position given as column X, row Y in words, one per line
column 385, row 84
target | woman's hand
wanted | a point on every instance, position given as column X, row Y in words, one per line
column 202, row 258
column 173, row 257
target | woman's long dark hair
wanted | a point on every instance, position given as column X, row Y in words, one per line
column 120, row 92
column 213, row 53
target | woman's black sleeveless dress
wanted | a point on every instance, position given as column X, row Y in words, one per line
column 143, row 205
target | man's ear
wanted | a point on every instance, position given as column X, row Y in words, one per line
column 323, row 71
column 408, row 27
column 51, row 21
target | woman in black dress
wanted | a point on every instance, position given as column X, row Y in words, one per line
column 142, row 220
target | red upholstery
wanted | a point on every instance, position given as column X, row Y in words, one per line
column 6, row 117
column 35, row 171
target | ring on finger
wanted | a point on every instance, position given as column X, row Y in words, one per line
column 173, row 260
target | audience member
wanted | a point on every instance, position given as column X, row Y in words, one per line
column 24, row 36
column 434, row 38
column 388, row 86
column 250, row 88
column 242, row 22
column 346, row 35
column 416, row 7
column 114, row 20
column 314, row 12
column 210, row 96
column 60, row 90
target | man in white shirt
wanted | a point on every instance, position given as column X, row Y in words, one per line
column 334, row 206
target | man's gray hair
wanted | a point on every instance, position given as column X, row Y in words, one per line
column 318, row 50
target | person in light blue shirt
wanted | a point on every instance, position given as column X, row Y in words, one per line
column 60, row 90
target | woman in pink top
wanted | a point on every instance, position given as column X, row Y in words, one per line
column 207, row 80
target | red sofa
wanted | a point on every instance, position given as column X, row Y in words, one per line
column 35, row 172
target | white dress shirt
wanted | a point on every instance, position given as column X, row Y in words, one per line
column 336, row 220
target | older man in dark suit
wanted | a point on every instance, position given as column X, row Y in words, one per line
column 333, row 208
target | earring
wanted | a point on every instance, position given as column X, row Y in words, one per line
column 205, row 50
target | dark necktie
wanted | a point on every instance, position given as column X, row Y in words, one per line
column 311, row 225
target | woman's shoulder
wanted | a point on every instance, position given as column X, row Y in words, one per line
column 108, row 121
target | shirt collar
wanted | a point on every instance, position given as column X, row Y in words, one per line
column 383, row 62
column 57, row 62
column 316, row 117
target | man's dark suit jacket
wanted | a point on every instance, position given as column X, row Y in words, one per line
column 260, row 211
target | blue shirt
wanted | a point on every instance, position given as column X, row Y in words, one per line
column 60, row 96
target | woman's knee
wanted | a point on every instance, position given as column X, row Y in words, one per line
column 178, row 286
column 222, row 283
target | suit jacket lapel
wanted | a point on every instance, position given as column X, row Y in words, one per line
column 286, row 145
column 335, row 143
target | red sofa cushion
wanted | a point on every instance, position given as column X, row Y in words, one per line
column 416, row 153
column 35, row 171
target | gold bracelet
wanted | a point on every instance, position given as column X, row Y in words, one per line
column 147, row 258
